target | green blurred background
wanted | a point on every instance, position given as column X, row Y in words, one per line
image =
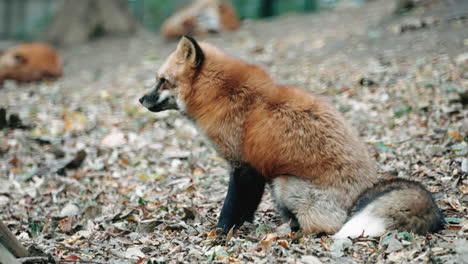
column 26, row 19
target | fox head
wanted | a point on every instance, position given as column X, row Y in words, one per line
column 176, row 74
column 10, row 59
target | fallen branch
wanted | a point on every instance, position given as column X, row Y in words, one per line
column 6, row 256
column 50, row 260
column 9, row 241
column 40, row 259
column 80, row 261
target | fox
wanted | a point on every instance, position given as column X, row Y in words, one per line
column 320, row 173
column 30, row 62
column 200, row 18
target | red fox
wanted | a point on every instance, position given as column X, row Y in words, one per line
column 30, row 62
column 201, row 17
column 320, row 173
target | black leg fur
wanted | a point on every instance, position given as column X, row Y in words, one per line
column 291, row 217
column 246, row 187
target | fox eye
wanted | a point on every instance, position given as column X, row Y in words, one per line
column 168, row 83
column 20, row 59
column 164, row 83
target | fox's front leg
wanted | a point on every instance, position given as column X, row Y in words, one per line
column 246, row 187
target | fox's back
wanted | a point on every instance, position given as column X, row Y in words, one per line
column 41, row 56
column 277, row 129
column 294, row 132
column 38, row 60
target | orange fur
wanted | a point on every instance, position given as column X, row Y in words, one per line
column 277, row 129
column 221, row 13
column 30, row 62
column 315, row 163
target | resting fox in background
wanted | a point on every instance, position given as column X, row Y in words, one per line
column 30, row 62
column 322, row 177
column 200, row 18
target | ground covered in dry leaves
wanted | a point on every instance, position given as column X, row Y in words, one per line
column 90, row 175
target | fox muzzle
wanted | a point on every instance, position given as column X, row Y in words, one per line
column 159, row 100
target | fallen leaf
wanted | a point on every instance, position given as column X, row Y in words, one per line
column 72, row 257
column 464, row 165
column 140, row 260
column 283, row 243
column 65, row 224
column 14, row 162
column 310, row 260
column 74, row 121
column 133, row 252
column 453, row 220
column 456, row 135
column 70, row 209
column 212, row 234
column 198, row 171
column 339, row 247
column 392, row 242
column 268, row 240
column 226, row 259
column 113, row 139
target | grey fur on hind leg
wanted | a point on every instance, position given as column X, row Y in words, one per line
column 287, row 216
column 315, row 209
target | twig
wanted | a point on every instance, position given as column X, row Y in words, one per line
column 40, row 259
column 367, row 239
column 442, row 237
column 421, row 256
column 51, row 260
column 251, row 238
column 116, row 253
column 80, row 261
column 300, row 251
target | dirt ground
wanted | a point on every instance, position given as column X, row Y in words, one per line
column 149, row 188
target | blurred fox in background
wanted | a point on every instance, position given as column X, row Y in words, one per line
column 200, row 18
column 30, row 62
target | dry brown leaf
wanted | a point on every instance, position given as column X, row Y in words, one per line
column 229, row 235
column 72, row 257
column 455, row 204
column 65, row 224
column 198, row 171
column 268, row 240
column 456, row 135
column 283, row 243
column 212, row 234
column 227, row 259
column 74, row 121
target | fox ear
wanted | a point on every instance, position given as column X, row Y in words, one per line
column 191, row 51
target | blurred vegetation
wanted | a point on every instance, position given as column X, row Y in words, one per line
column 25, row 19
column 150, row 13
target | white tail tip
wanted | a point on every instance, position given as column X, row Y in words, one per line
column 363, row 224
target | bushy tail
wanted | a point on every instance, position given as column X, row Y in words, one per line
column 396, row 204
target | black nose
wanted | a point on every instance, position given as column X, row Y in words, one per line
column 141, row 100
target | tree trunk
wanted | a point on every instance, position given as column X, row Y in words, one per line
column 77, row 21
column 266, row 8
